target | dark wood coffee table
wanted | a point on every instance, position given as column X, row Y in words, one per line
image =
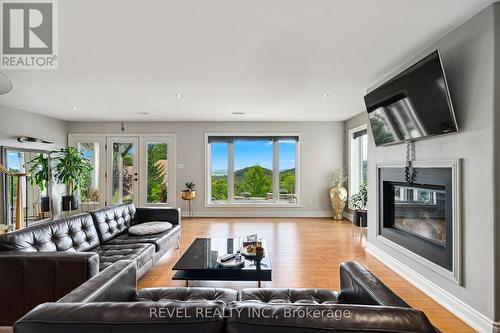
column 199, row 262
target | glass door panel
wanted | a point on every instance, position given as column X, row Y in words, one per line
column 92, row 195
column 157, row 171
column 89, row 192
column 122, row 170
column 157, row 181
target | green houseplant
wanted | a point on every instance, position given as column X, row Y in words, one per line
column 39, row 176
column 359, row 202
column 189, row 193
column 70, row 170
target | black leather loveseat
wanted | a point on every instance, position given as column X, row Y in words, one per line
column 110, row 302
column 46, row 261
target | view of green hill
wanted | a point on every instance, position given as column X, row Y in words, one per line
column 239, row 174
column 255, row 181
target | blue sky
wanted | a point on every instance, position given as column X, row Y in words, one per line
column 248, row 153
column 13, row 161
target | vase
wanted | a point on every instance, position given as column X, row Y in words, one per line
column 45, row 204
column 360, row 218
column 188, row 195
column 338, row 198
column 69, row 203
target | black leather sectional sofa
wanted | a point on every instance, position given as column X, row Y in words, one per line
column 44, row 262
column 109, row 302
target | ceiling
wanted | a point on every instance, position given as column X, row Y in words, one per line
column 273, row 60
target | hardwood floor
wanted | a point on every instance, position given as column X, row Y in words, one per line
column 305, row 252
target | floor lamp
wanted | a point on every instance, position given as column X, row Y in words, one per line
column 19, row 197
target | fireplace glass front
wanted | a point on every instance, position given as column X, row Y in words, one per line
column 421, row 211
column 418, row 215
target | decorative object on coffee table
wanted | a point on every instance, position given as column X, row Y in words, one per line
column 70, row 170
column 359, row 201
column 188, row 195
column 232, row 262
column 338, row 193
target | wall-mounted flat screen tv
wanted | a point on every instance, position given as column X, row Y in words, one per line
column 413, row 105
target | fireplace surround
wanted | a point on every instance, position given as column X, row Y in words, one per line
column 421, row 219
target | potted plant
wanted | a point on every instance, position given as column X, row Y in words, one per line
column 338, row 193
column 359, row 202
column 189, row 193
column 39, row 176
column 70, row 169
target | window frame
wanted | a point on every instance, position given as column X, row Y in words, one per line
column 230, row 182
column 354, row 160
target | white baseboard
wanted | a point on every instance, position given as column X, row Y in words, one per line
column 257, row 213
column 469, row 315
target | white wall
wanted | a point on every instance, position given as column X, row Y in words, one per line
column 322, row 149
column 15, row 123
column 496, row 116
column 468, row 57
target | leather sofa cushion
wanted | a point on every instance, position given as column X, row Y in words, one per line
column 160, row 240
column 300, row 318
column 149, row 228
column 108, row 254
column 76, row 234
column 288, row 296
column 124, row 317
column 113, row 221
column 185, row 295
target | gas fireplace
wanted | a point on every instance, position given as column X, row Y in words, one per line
column 421, row 216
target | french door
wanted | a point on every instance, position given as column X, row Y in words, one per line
column 136, row 168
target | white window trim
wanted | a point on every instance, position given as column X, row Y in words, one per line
column 352, row 179
column 230, row 180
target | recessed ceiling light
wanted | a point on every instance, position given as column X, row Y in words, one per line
column 238, row 113
column 142, row 113
column 178, row 95
column 74, row 108
column 325, row 95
